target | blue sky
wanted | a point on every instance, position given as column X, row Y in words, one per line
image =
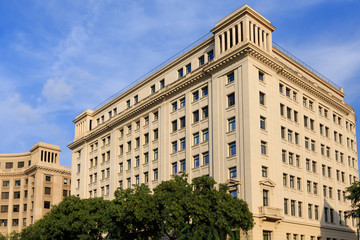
column 58, row 58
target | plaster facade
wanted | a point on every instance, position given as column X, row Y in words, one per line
column 237, row 108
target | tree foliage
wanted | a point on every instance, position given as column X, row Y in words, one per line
column 354, row 197
column 175, row 209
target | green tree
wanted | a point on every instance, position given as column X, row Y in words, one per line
column 354, row 196
column 73, row 218
column 134, row 214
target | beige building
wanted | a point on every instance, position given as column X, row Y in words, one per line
column 31, row 183
column 242, row 110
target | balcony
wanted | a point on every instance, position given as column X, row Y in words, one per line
column 271, row 214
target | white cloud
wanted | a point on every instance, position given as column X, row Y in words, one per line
column 57, row 90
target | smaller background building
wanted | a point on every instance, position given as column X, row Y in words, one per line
column 30, row 184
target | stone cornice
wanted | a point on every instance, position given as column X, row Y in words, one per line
column 33, row 169
column 248, row 49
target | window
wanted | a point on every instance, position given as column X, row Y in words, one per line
column 284, row 179
column 231, row 99
column 16, row 208
column 205, row 112
column 182, row 165
column 8, row 165
column 182, row 102
column 17, row 182
column 210, row 55
column 300, row 209
column 206, row 158
column 156, row 153
column 182, row 143
column 310, row 211
column 21, row 164
column 205, row 135
column 204, row 91
column 282, row 109
column 146, row 157
column 232, row 149
column 230, row 77
column 188, row 68
column 232, row 172
column 162, row 83
column 196, row 161
column 201, row 60
column 292, row 184
column 128, row 103
column 264, row 172
column 182, row 122
column 156, row 174
column 48, row 190
column 265, row 197
column 174, row 147
column 4, row 208
column 146, row 177
column 195, row 96
column 196, row 138
column 156, row 134
column 46, row 204
column 281, row 88
column 261, row 76
column 231, row 123
column 292, row 208
column 263, row 147
column 262, row 122
column 196, row 116
column 286, row 209
column 146, row 120
column 6, row 183
column 48, row 178
column 153, row 89
column 174, row 106
column 262, row 98
column 266, row 235
column 174, row 168
column 174, row 125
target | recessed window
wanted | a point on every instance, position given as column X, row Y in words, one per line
column 174, row 147
column 265, row 198
column 231, row 122
column 195, row 95
column 174, row 106
column 262, row 122
column 196, row 161
column 231, row 99
column 206, row 158
column 196, row 138
column 180, row 73
column 205, row 135
column 231, row 77
column 261, row 76
column 188, row 68
column 201, row 60
column 47, row 190
column 162, row 83
column 8, row 165
column 48, row 178
column 182, row 165
column 210, row 55
column 232, row 149
column 46, row 204
column 153, row 89
column 204, row 91
column 262, row 98
column 263, row 147
column 182, row 143
column 174, row 168
column 232, row 172
column 196, row 116
column 182, row 102
column 264, row 171
column 205, row 112
column 156, row 174
column 174, row 125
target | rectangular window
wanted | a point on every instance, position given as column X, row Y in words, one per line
column 204, row 91
column 292, row 207
column 264, row 171
column 156, row 174
column 156, row 154
column 153, row 89
column 205, row 135
column 232, row 172
column 231, row 99
column 182, row 102
column 146, row 157
column 205, row 112
column 201, row 60
column 146, row 177
column 265, row 198
column 188, row 68
column 196, row 138
column 195, row 96
column 230, row 77
column 210, row 55
column 286, row 208
column 182, row 165
column 263, row 148
column 261, row 76
column 180, row 73
column 206, row 158
column 182, row 143
column 47, row 190
column 162, row 83
column 174, row 147
column 174, row 125
column 196, row 116
column 231, row 122
column 262, row 122
column 174, row 168
column 174, row 106
column 196, row 161
column 232, row 149
column 262, row 98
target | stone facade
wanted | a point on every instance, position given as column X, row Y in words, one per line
column 237, row 108
column 30, row 183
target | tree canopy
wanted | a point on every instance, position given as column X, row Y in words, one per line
column 354, row 197
column 175, row 209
